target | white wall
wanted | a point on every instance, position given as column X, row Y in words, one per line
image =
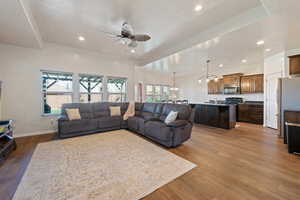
column 20, row 73
column 191, row 90
column 145, row 76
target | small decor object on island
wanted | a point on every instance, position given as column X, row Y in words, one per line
column 7, row 142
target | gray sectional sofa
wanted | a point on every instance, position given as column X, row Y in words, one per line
column 148, row 121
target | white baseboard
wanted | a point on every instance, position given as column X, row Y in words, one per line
column 34, row 133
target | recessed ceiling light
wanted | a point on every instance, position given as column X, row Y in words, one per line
column 132, row 51
column 261, row 42
column 268, row 50
column 80, row 38
column 198, row 8
column 221, row 65
column 244, row 61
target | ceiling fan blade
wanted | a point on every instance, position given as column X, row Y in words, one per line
column 141, row 38
column 118, row 40
column 133, row 44
column 109, row 33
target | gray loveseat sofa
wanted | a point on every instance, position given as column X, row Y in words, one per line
column 148, row 121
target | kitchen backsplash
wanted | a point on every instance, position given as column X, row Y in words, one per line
column 247, row 97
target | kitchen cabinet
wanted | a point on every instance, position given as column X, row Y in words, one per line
column 215, row 87
column 252, row 84
column 294, row 64
column 232, row 80
column 251, row 113
column 216, row 115
column 238, row 83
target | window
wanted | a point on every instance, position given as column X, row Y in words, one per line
column 57, row 90
column 165, row 93
column 157, row 93
column 91, row 88
column 117, row 89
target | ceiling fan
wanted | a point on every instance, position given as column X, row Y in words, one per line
column 127, row 36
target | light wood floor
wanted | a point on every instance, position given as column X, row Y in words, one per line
column 248, row 162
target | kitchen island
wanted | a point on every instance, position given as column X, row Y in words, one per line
column 216, row 115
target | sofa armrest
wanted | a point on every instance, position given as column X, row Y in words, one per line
column 178, row 123
column 151, row 118
column 63, row 118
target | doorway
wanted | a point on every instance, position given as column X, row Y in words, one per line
column 272, row 100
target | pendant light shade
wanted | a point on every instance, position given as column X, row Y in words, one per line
column 174, row 88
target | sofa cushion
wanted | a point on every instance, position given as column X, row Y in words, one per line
column 184, row 111
column 132, row 123
column 100, row 110
column 109, row 122
column 158, row 109
column 136, row 124
column 149, row 107
column 76, row 126
column 138, row 108
column 85, row 109
column 158, row 130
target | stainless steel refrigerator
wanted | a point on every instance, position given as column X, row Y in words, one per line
column 289, row 98
column 0, row 99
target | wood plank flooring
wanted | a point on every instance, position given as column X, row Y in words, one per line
column 248, row 162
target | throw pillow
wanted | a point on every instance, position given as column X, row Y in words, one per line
column 73, row 114
column 115, row 111
column 172, row 116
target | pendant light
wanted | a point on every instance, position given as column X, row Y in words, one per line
column 174, row 88
column 208, row 77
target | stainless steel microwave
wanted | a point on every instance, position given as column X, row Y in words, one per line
column 231, row 90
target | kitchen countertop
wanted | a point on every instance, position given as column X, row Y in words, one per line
column 214, row 104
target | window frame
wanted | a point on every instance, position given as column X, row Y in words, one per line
column 71, row 93
column 120, row 93
column 103, row 86
column 154, row 96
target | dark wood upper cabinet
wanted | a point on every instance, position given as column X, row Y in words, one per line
column 252, row 84
column 220, row 86
column 259, row 83
column 294, row 65
column 232, row 80
column 215, row 87
column 248, row 84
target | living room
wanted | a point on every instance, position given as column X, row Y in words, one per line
column 149, row 100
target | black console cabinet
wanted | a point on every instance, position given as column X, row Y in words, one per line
column 7, row 142
column 293, row 137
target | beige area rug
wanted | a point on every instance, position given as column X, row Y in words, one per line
column 117, row 165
